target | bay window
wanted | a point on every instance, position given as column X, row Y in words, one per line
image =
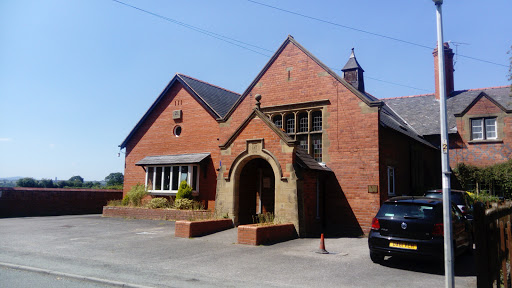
column 167, row 179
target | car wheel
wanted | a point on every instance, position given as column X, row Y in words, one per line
column 376, row 257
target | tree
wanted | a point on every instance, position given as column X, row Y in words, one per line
column 46, row 183
column 76, row 181
column 114, row 179
column 26, row 182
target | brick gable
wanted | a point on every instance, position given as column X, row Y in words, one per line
column 155, row 137
column 487, row 152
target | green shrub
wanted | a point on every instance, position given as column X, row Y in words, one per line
column 185, row 191
column 158, row 202
column 135, row 195
column 126, row 200
column 183, row 204
column 483, row 197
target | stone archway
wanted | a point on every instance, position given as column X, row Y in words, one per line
column 231, row 183
column 256, row 190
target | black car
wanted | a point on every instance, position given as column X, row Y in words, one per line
column 461, row 198
column 413, row 226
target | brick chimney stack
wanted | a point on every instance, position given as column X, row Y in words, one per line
column 448, row 70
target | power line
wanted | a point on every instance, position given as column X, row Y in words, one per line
column 232, row 40
column 368, row 32
column 340, row 25
column 203, row 31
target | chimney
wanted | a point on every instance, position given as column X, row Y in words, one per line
column 448, row 70
column 353, row 73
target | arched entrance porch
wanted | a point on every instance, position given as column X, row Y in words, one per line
column 256, row 190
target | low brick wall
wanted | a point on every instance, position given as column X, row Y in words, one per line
column 155, row 214
column 187, row 229
column 21, row 201
column 255, row 234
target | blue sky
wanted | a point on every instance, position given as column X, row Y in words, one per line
column 76, row 76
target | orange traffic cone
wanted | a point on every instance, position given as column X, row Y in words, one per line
column 322, row 250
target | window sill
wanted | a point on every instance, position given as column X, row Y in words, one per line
column 489, row 141
column 168, row 193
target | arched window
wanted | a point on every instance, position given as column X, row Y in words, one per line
column 278, row 121
column 303, row 122
column 290, row 123
column 317, row 121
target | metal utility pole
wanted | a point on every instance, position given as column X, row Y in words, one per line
column 445, row 163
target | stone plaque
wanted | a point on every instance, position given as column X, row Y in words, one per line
column 373, row 188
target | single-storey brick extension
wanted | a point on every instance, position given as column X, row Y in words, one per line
column 306, row 144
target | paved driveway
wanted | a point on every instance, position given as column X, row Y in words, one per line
column 143, row 252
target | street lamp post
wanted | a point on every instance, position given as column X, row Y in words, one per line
column 445, row 164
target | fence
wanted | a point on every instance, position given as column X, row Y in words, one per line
column 493, row 244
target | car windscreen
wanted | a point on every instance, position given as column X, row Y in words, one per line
column 457, row 197
column 397, row 210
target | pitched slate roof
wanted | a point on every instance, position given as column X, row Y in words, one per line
column 216, row 100
column 173, row 159
column 306, row 161
column 388, row 118
column 422, row 111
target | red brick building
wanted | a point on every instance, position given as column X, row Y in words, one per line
column 302, row 142
column 479, row 120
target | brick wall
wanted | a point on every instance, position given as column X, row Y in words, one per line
column 19, row 201
column 417, row 167
column 258, row 235
column 155, row 136
column 154, row 214
column 187, row 229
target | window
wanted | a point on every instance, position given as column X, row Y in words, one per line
column 177, row 131
column 303, row 122
column 316, row 139
column 483, row 129
column 278, row 121
column 305, row 126
column 290, row 123
column 303, row 142
column 166, row 179
column 391, row 181
column 317, row 120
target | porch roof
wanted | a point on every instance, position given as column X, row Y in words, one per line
column 173, row 159
column 305, row 160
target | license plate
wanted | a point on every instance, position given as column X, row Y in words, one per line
column 403, row 245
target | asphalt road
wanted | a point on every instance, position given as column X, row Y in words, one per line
column 26, row 279
column 146, row 253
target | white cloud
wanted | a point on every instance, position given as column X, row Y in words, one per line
column 51, row 146
column 5, row 139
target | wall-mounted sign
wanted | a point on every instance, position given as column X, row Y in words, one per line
column 373, row 188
